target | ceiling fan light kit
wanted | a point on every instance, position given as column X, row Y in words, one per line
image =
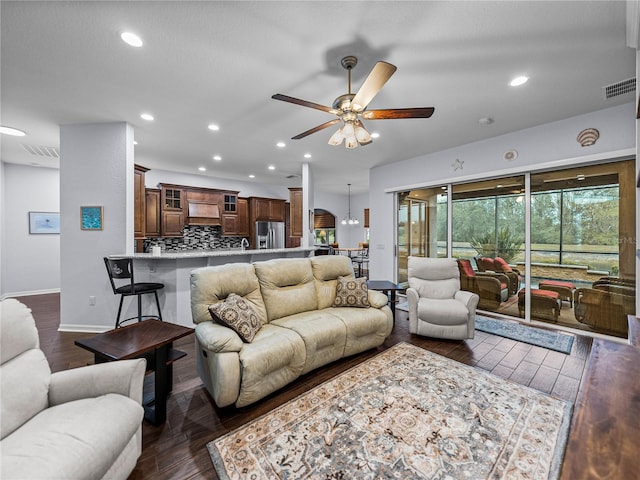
column 349, row 108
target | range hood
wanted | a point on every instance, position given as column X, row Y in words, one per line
column 201, row 213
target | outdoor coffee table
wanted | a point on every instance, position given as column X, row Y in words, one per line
column 150, row 339
column 387, row 287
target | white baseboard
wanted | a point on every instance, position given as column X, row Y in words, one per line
column 4, row 296
column 84, row 328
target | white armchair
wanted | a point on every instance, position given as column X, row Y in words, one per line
column 437, row 306
column 83, row 423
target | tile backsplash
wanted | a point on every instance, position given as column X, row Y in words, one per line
column 194, row 237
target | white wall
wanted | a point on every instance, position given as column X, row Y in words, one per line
column 96, row 168
column 348, row 236
column 2, row 227
column 546, row 146
column 247, row 189
column 30, row 263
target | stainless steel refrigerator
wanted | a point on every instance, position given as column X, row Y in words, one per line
column 269, row 234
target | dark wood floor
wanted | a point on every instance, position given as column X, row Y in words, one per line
column 176, row 450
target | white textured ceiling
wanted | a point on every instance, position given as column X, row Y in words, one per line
column 203, row 62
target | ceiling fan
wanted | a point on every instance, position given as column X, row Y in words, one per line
column 351, row 108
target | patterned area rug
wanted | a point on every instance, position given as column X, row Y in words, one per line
column 405, row 413
column 558, row 341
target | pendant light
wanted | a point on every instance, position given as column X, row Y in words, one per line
column 350, row 220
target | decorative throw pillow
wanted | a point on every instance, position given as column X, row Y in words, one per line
column 352, row 293
column 237, row 314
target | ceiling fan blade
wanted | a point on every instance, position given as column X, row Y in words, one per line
column 304, row 103
column 380, row 73
column 391, row 113
column 316, row 129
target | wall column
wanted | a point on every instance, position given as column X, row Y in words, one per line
column 96, row 169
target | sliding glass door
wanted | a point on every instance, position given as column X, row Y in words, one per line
column 422, row 226
column 582, row 243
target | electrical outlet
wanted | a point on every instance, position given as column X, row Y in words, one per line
column 92, row 301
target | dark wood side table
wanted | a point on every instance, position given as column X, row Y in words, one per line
column 389, row 288
column 604, row 432
column 151, row 339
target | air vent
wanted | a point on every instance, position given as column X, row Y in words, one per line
column 41, row 151
column 619, row 88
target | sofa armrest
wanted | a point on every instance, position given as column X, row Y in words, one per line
column 469, row 299
column 412, row 302
column 377, row 299
column 124, row 377
column 217, row 338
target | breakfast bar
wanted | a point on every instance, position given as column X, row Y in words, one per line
column 173, row 269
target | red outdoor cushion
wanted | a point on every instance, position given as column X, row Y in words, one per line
column 540, row 293
column 558, row 283
column 501, row 265
column 465, row 267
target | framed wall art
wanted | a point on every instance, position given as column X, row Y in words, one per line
column 91, row 218
column 44, row 222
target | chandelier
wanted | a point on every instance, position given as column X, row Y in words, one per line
column 350, row 220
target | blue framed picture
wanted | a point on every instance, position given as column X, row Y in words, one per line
column 91, row 218
column 44, row 222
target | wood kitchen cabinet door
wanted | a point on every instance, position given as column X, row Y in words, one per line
column 152, row 208
column 243, row 217
column 138, row 202
column 276, row 210
column 295, row 211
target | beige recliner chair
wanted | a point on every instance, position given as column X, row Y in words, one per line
column 84, row 423
column 437, row 306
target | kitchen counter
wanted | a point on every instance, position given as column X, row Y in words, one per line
column 173, row 269
column 220, row 252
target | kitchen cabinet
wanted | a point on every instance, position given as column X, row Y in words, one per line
column 243, row 217
column 152, row 212
column 366, row 218
column 139, row 202
column 172, row 210
column 230, row 203
column 266, row 209
column 237, row 224
column 295, row 212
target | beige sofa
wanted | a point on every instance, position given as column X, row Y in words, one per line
column 84, row 423
column 301, row 330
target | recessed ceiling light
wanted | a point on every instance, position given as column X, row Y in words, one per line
column 521, row 80
column 217, row 158
column 252, row 176
column 375, row 135
column 271, row 167
column 131, row 38
column 11, row 131
column 135, row 142
column 202, row 169
column 213, row 127
column 307, row 155
column 147, row 116
column 281, row 144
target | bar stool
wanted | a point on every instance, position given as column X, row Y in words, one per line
column 122, row 269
